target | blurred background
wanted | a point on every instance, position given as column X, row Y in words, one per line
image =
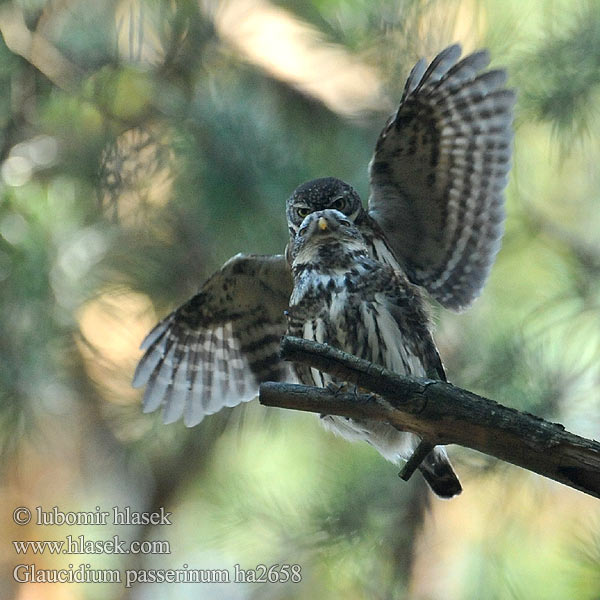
column 143, row 143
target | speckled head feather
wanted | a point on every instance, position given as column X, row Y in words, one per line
column 320, row 194
column 330, row 237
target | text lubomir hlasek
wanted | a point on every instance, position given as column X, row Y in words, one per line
column 116, row 516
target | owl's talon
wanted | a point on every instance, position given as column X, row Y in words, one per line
column 337, row 388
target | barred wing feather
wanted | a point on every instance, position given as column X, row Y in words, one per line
column 214, row 350
column 438, row 174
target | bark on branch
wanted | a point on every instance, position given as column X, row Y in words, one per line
column 439, row 412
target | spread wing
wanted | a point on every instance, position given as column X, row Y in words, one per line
column 215, row 349
column 438, row 174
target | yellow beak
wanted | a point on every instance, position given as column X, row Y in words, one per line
column 323, row 225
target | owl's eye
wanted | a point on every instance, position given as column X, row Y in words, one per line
column 339, row 203
column 303, row 211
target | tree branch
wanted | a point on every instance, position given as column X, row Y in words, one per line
column 440, row 413
column 37, row 50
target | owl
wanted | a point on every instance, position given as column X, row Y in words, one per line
column 345, row 298
column 435, row 214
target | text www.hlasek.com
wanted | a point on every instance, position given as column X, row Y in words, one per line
column 81, row 545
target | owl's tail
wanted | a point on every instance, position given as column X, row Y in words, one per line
column 439, row 474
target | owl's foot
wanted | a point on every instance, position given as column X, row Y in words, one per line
column 335, row 389
column 338, row 388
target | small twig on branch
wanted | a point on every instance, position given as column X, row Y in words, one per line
column 412, row 464
column 440, row 413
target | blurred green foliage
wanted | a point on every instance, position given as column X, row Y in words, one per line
column 141, row 145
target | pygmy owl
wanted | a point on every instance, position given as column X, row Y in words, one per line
column 345, row 298
column 435, row 214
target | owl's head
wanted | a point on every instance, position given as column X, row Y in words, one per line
column 328, row 238
column 321, row 194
